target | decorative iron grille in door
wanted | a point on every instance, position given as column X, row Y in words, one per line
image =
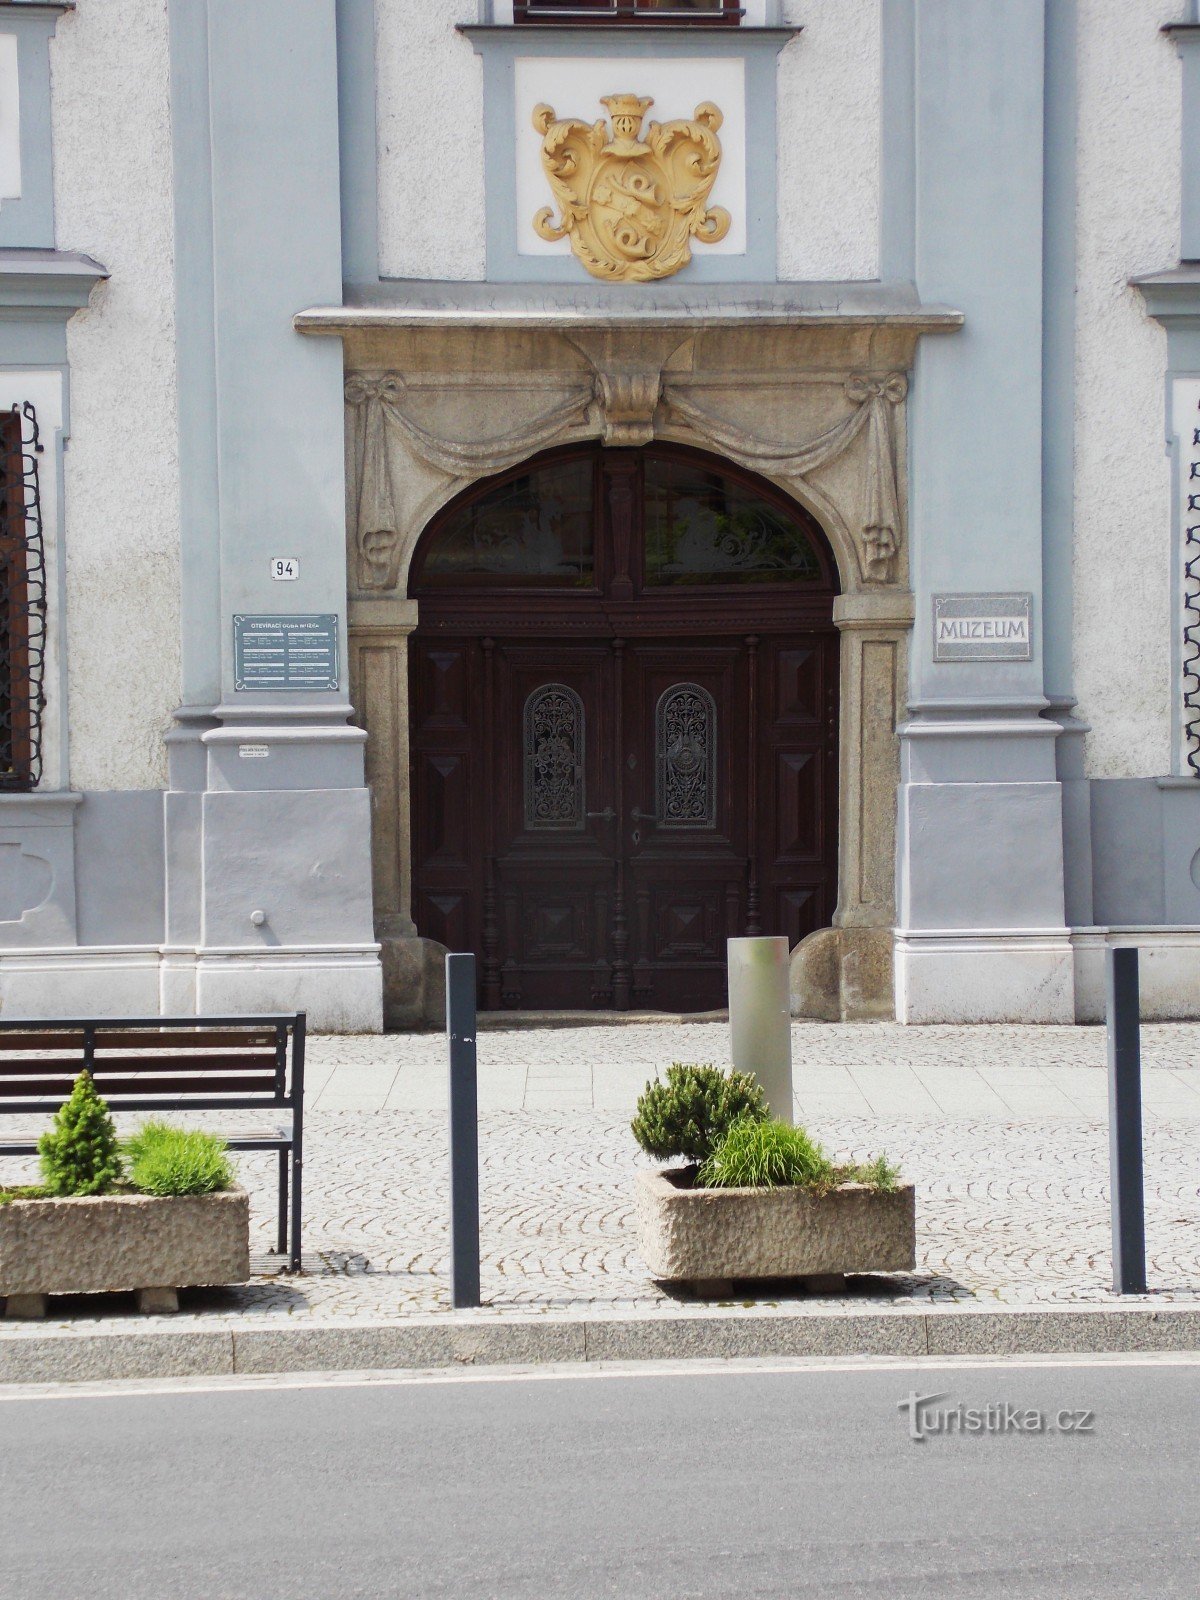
column 22, row 601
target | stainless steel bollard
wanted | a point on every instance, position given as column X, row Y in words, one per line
column 760, row 1022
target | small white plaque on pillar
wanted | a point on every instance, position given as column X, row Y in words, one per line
column 983, row 627
column 284, row 568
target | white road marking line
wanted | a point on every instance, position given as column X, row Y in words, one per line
column 123, row 1388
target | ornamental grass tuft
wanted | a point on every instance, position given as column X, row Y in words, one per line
column 692, row 1109
column 772, row 1155
column 766, row 1155
column 170, row 1161
column 80, row 1153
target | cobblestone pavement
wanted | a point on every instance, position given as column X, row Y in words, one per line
column 1002, row 1129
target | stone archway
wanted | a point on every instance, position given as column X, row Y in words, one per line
column 817, row 409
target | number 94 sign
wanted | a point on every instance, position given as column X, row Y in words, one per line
column 284, row 568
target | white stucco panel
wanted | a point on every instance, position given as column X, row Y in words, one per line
column 828, row 146
column 1127, row 222
column 430, row 124
column 10, row 119
column 112, row 178
column 575, row 86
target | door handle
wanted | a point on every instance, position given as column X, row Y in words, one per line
column 641, row 816
column 608, row 815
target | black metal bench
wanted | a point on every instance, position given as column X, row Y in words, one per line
column 167, row 1064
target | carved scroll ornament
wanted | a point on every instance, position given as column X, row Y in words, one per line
column 377, row 407
column 874, row 399
column 631, row 206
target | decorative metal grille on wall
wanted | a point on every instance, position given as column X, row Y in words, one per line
column 685, row 737
column 554, row 779
column 1191, row 607
column 22, row 601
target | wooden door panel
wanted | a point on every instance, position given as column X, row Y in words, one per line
column 610, row 778
column 799, row 783
column 552, row 822
column 799, row 685
column 443, row 775
column 684, row 817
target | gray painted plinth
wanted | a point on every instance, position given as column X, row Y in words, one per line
column 29, row 1354
column 95, row 1244
column 688, row 1235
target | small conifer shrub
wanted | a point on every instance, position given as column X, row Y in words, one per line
column 690, row 1111
column 80, row 1153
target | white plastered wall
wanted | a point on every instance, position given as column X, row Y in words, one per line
column 828, row 154
column 112, row 183
column 430, row 121
column 430, row 126
column 1127, row 221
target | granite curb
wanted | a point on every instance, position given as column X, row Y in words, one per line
column 67, row 1355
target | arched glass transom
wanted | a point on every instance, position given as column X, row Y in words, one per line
column 685, row 738
column 554, row 757
column 590, row 519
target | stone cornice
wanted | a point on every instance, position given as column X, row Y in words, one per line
column 1173, row 297
column 429, row 304
column 46, row 283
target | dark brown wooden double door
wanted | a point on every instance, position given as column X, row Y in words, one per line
column 628, row 806
column 609, row 785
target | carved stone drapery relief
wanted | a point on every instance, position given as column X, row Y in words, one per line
column 873, row 398
column 376, row 405
column 623, row 405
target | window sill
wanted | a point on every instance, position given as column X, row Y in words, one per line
column 722, row 33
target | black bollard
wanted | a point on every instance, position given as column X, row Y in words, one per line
column 1125, row 1121
column 464, row 1131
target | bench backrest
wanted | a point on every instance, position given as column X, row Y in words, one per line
column 161, row 1063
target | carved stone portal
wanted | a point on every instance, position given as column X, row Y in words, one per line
column 818, row 410
column 631, row 206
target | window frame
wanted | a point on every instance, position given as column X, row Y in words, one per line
column 623, row 13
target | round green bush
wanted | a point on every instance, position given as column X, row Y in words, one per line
column 166, row 1160
column 690, row 1111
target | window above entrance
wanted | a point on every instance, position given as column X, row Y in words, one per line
column 536, row 526
column 703, row 527
column 619, row 522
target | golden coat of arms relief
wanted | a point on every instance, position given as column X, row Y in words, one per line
column 632, row 205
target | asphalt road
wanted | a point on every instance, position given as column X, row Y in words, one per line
column 730, row 1480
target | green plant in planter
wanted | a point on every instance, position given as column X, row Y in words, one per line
column 766, row 1155
column 80, row 1154
column 169, row 1161
column 773, row 1154
column 692, row 1109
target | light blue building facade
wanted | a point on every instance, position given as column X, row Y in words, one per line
column 274, row 313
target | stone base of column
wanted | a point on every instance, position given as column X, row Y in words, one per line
column 844, row 975
column 1012, row 976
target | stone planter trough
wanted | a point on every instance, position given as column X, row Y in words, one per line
column 90, row 1244
column 709, row 1237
